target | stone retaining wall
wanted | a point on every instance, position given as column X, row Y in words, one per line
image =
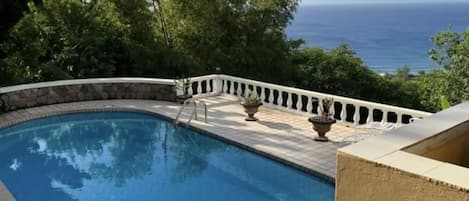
column 30, row 96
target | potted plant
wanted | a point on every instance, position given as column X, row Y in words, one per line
column 251, row 105
column 327, row 104
column 322, row 123
column 183, row 85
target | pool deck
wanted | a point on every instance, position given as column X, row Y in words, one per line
column 284, row 136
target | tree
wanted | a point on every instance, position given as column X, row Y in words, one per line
column 402, row 73
column 451, row 51
column 65, row 39
column 244, row 38
column 80, row 39
column 10, row 12
column 336, row 72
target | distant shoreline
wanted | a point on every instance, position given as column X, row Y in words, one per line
column 384, row 36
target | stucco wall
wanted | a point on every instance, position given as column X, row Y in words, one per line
column 45, row 94
column 362, row 180
column 455, row 151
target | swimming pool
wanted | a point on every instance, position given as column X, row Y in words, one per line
column 123, row 156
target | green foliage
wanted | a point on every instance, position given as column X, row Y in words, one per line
column 77, row 39
column 451, row 52
column 338, row 72
column 444, row 103
column 244, row 38
column 65, row 39
column 432, row 87
column 252, row 98
column 402, row 73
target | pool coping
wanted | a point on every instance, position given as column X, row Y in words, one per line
column 36, row 114
column 402, row 148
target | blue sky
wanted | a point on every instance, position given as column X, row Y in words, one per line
column 312, row 2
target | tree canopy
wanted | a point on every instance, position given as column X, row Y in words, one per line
column 66, row 39
column 452, row 81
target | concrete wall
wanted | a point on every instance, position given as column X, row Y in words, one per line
column 417, row 162
column 24, row 96
column 456, row 151
column 363, row 180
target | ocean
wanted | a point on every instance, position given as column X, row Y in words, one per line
column 385, row 36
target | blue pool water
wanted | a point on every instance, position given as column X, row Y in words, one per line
column 122, row 156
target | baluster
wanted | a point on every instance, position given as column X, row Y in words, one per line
column 238, row 90
column 289, row 100
column 385, row 117
column 356, row 115
column 263, row 94
column 199, row 87
column 309, row 106
column 190, row 90
column 332, row 110
column 271, row 97
column 343, row 112
column 230, row 88
column 320, row 108
column 208, row 87
column 370, row 117
column 246, row 90
column 279, row 99
column 225, row 87
column 299, row 103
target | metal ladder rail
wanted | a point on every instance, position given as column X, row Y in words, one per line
column 193, row 113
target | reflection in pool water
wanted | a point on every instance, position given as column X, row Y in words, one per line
column 129, row 156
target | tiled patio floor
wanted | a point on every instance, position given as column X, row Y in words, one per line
column 285, row 136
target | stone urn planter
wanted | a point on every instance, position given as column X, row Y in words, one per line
column 321, row 125
column 251, row 109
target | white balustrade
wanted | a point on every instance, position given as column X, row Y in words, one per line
column 262, row 94
column 233, row 85
column 190, row 90
column 203, row 85
column 299, row 103
column 370, row 115
column 209, row 88
column 385, row 116
column 199, row 87
column 225, row 87
column 343, row 112
column 356, row 115
column 311, row 95
column 289, row 101
column 271, row 97
column 320, row 106
column 309, row 107
column 280, row 99
column 218, row 84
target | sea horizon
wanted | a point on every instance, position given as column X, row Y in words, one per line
column 385, row 35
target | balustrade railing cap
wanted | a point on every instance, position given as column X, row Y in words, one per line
column 86, row 81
